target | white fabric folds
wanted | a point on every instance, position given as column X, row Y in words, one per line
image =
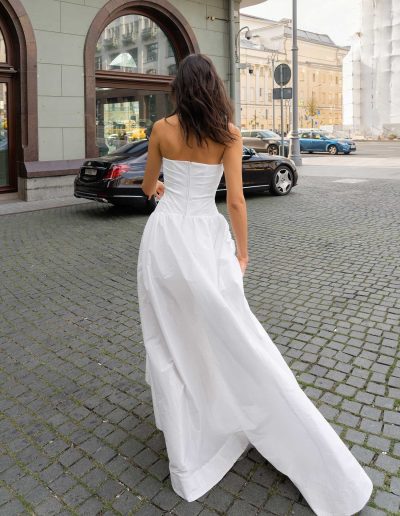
column 218, row 382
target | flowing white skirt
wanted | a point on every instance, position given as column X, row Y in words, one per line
column 218, row 382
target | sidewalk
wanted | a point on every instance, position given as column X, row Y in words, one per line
column 18, row 206
column 353, row 166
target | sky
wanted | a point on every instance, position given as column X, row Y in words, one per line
column 337, row 18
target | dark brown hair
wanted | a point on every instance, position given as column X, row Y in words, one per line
column 202, row 105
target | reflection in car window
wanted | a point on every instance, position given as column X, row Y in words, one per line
column 305, row 135
column 269, row 134
column 316, row 136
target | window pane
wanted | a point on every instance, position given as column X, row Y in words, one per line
column 4, row 173
column 136, row 44
column 124, row 115
column 3, row 55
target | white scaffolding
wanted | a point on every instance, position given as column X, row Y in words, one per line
column 371, row 83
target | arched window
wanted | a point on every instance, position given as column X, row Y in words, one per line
column 131, row 55
column 130, row 52
column 135, row 44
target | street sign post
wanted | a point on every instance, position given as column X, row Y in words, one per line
column 282, row 76
column 282, row 93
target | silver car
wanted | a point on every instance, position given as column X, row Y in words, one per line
column 264, row 141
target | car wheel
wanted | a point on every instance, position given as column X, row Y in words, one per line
column 332, row 149
column 273, row 150
column 310, row 152
column 282, row 181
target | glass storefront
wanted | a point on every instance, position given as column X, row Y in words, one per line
column 123, row 115
column 4, row 148
column 133, row 55
column 4, row 172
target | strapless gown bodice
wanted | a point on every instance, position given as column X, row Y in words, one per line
column 190, row 187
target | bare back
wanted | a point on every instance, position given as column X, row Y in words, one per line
column 173, row 145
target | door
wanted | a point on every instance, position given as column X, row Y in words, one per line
column 8, row 80
column 250, row 140
column 318, row 143
column 305, row 141
column 255, row 172
column 7, row 170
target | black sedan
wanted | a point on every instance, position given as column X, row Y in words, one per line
column 117, row 177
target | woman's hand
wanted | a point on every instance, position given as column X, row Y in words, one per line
column 243, row 262
column 160, row 188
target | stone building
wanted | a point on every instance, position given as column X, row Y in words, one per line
column 80, row 77
column 320, row 75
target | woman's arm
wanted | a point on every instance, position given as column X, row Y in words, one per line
column 236, row 202
column 150, row 181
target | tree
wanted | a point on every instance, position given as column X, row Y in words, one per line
column 311, row 108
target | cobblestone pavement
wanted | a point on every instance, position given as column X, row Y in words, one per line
column 77, row 433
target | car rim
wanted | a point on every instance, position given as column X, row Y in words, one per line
column 273, row 151
column 332, row 150
column 283, row 180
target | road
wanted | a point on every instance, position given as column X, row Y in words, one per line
column 77, row 432
column 372, row 160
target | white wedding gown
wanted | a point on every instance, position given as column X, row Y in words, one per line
column 218, row 382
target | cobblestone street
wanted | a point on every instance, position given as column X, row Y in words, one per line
column 77, row 433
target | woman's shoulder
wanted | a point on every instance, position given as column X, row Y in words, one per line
column 164, row 125
column 171, row 120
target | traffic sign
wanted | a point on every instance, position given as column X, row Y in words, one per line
column 282, row 93
column 282, row 74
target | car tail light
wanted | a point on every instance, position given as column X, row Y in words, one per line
column 116, row 171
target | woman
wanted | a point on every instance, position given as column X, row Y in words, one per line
column 218, row 382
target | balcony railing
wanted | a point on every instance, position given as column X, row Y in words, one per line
column 149, row 33
column 110, row 42
column 129, row 37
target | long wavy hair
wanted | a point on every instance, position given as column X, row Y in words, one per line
column 202, row 105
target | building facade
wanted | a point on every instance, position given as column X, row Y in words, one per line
column 80, row 77
column 320, row 76
column 372, row 72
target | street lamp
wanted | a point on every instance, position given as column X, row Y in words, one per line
column 238, row 65
column 248, row 36
column 294, row 148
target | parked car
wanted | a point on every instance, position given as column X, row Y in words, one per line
column 352, row 143
column 317, row 141
column 264, row 141
column 117, row 177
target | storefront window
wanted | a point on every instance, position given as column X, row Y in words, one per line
column 123, row 115
column 130, row 42
column 4, row 169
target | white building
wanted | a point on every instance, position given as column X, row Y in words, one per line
column 371, row 72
